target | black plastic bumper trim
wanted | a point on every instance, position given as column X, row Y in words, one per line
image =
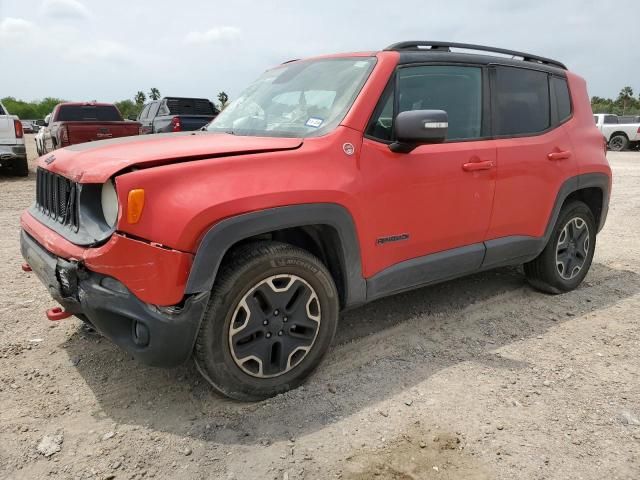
column 116, row 312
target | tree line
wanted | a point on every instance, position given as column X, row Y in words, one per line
column 129, row 108
column 625, row 104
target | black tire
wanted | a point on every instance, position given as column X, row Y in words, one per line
column 618, row 143
column 544, row 272
column 250, row 268
column 20, row 168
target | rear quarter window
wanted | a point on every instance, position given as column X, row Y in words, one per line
column 521, row 101
column 563, row 98
column 88, row 113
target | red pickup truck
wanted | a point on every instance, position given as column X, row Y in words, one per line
column 73, row 123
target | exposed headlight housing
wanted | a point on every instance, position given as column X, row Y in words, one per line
column 109, row 202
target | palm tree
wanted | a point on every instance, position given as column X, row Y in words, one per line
column 140, row 98
column 625, row 95
column 223, row 98
column 154, row 94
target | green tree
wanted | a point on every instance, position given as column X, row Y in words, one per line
column 154, row 94
column 140, row 98
column 223, row 98
column 30, row 110
column 625, row 97
column 128, row 108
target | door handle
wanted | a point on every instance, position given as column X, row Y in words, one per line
column 564, row 155
column 475, row 166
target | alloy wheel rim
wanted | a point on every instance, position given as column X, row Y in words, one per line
column 274, row 326
column 572, row 248
column 616, row 143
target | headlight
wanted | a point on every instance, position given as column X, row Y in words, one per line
column 109, row 203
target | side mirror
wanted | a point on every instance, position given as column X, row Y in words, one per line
column 416, row 127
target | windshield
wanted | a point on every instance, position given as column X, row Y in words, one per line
column 299, row 99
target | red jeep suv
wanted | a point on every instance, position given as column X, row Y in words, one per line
column 328, row 183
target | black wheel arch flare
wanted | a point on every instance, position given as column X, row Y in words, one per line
column 222, row 236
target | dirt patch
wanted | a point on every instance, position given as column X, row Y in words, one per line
column 421, row 454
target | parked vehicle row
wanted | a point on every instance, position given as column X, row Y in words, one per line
column 619, row 133
column 329, row 183
column 13, row 153
column 74, row 123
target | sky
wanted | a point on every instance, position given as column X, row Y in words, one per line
column 108, row 50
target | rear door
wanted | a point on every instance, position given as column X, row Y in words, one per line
column 534, row 153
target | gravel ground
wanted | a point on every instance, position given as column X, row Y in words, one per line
column 479, row 378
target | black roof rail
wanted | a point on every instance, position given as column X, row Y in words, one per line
column 447, row 46
column 289, row 61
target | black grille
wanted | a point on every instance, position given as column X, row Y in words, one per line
column 57, row 198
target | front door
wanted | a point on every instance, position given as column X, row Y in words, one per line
column 437, row 199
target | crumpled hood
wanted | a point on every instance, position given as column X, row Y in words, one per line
column 96, row 162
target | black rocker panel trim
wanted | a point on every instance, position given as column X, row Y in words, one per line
column 426, row 270
column 225, row 234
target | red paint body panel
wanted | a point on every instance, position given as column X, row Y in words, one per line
column 96, row 162
column 155, row 275
column 586, row 140
column 201, row 193
column 528, row 183
column 427, row 194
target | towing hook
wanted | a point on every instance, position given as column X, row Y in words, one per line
column 26, row 267
column 57, row 313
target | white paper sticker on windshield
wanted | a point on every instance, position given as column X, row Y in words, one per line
column 314, row 122
column 360, row 64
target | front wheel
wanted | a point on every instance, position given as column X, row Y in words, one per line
column 271, row 317
column 566, row 259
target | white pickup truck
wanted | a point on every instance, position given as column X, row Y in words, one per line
column 620, row 136
column 12, row 150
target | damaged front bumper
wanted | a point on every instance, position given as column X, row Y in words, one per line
column 158, row 336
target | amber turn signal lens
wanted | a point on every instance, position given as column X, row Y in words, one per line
column 135, row 205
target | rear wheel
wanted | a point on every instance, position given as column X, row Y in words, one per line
column 618, row 143
column 566, row 259
column 270, row 320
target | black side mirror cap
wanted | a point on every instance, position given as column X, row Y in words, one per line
column 416, row 127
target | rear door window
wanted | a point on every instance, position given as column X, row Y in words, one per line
column 521, row 101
